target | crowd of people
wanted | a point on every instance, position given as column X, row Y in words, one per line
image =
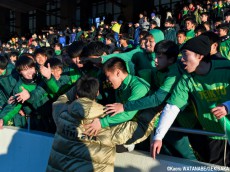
column 105, row 90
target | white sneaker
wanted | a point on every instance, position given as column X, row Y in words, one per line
column 130, row 147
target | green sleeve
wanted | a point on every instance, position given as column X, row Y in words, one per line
column 137, row 92
column 9, row 112
column 55, row 89
column 180, row 94
column 151, row 101
column 52, row 85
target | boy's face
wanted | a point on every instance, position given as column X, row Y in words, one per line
column 162, row 62
column 227, row 18
column 190, row 60
column 76, row 60
column 222, row 32
column 181, row 38
column 40, row 59
column 107, row 41
column 113, row 78
column 142, row 43
column 28, row 73
column 204, row 18
column 167, row 24
column 189, row 25
column 150, row 44
column 56, row 72
column 13, row 58
column 122, row 41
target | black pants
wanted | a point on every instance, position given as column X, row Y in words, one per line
column 210, row 150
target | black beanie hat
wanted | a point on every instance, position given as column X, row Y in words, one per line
column 200, row 45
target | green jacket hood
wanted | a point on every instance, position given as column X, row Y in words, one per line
column 158, row 35
column 85, row 108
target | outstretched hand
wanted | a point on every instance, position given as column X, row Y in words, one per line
column 22, row 96
column 114, row 108
column 46, row 71
column 155, row 148
column 219, row 111
column 93, row 128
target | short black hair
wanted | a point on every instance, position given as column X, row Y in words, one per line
column 54, row 62
column 24, row 62
column 144, row 33
column 111, row 37
column 213, row 37
column 95, row 48
column 200, row 28
column 45, row 51
column 115, row 63
column 167, row 47
column 153, row 22
column 14, row 53
column 87, row 87
column 183, row 32
column 75, row 49
column 3, row 62
column 191, row 19
column 170, row 20
column 224, row 26
column 59, row 45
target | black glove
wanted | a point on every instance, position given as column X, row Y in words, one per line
column 84, row 60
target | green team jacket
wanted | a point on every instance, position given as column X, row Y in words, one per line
column 47, row 89
column 69, row 76
column 190, row 34
column 7, row 82
column 162, row 84
column 225, row 48
column 11, row 110
column 205, row 91
column 132, row 88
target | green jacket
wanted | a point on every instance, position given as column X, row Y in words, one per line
column 8, row 81
column 69, row 77
column 225, row 47
column 132, row 88
column 162, row 84
column 11, row 110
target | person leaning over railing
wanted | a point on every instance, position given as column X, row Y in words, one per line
column 206, row 82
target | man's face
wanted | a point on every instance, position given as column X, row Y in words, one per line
column 40, row 59
column 181, row 38
column 28, row 73
column 150, row 44
column 190, row 60
column 221, row 32
column 227, row 18
column 76, row 60
column 122, row 41
column 162, row 62
column 167, row 24
column 56, row 72
column 107, row 41
column 113, row 78
column 188, row 25
column 142, row 43
column 204, row 18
